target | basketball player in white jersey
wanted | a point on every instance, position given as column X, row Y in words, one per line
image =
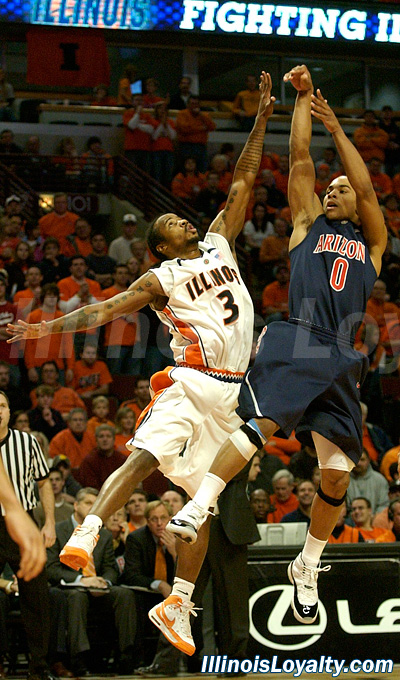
column 198, row 292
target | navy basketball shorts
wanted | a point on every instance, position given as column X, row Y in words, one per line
column 306, row 381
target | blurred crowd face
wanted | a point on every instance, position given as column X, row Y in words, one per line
column 77, row 423
column 254, row 468
column 174, row 500
column 116, row 521
column 60, row 205
column 305, row 493
column 128, row 422
column 57, row 481
column 158, row 520
column 49, row 374
column 136, row 505
column 99, row 243
column 105, row 441
column 360, row 512
column 4, row 370
column 22, row 423
column 260, row 505
column 282, row 489
column 83, row 507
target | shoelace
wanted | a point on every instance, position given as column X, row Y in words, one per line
column 198, row 512
column 309, row 586
column 184, row 609
column 82, row 531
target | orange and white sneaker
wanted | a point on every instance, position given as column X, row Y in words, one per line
column 78, row 549
column 172, row 617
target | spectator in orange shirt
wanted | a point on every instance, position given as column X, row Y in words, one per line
column 29, row 299
column 150, row 96
column 384, row 519
column 260, row 195
column 282, row 448
column 275, row 297
column 390, row 457
column 91, row 375
column 101, row 98
column 282, row 174
column 369, row 139
column 380, row 181
column 188, row 183
column 102, row 461
column 141, row 396
column 65, row 398
column 283, row 499
column 274, row 249
column 125, row 421
column 139, row 127
column 120, row 334
column 343, row 533
column 193, row 127
column 392, row 216
column 135, row 508
column 124, row 86
column 245, row 105
column 164, row 135
column 10, row 238
column 76, row 290
column 78, row 243
column 100, row 410
column 219, row 164
column 379, row 309
column 60, row 222
column 58, row 348
column 361, row 514
column 74, row 442
column 97, row 166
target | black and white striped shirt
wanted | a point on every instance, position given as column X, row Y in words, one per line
column 25, row 463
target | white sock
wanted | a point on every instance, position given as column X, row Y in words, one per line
column 93, row 521
column 182, row 588
column 209, row 490
column 312, row 550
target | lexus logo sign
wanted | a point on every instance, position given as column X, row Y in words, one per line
column 275, row 619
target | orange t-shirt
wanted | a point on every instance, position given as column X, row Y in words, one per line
column 58, row 347
column 119, row 331
column 64, row 400
column 131, row 403
column 281, row 181
column 120, row 444
column 89, row 378
column 65, row 443
column 274, row 248
column 94, row 422
column 369, row 445
column 58, row 226
column 83, row 247
column 282, row 509
column 24, row 300
column 348, row 535
column 184, row 185
column 193, row 129
column 275, row 295
column 377, row 535
column 68, row 287
column 137, row 139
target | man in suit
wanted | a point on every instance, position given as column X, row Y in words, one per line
column 233, row 527
column 150, row 555
column 95, row 592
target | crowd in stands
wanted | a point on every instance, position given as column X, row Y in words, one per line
column 64, row 388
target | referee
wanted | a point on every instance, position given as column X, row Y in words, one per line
column 25, row 463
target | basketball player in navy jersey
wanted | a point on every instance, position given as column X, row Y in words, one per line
column 306, row 374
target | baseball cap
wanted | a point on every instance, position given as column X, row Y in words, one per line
column 61, row 459
column 129, row 218
column 12, row 198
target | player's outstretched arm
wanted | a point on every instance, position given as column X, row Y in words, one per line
column 230, row 221
column 22, row 530
column 138, row 295
column 304, row 205
column 369, row 212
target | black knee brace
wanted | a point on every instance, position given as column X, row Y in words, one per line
column 252, row 435
column 328, row 499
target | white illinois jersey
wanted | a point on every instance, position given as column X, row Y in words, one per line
column 209, row 312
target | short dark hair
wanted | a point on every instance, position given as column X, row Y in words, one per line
column 77, row 257
column 50, row 362
column 49, row 288
column 362, row 498
column 154, row 238
column 387, row 108
column 93, row 140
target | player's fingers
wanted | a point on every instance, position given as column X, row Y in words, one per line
column 14, row 339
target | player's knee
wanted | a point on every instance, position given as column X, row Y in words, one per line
column 334, row 483
column 140, row 462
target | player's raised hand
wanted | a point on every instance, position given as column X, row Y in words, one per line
column 300, row 77
column 266, row 104
column 26, row 331
column 320, row 109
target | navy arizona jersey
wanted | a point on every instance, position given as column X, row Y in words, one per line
column 331, row 277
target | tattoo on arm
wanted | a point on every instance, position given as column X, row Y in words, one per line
column 249, row 160
column 75, row 323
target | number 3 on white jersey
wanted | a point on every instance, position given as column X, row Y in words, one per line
column 339, row 273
